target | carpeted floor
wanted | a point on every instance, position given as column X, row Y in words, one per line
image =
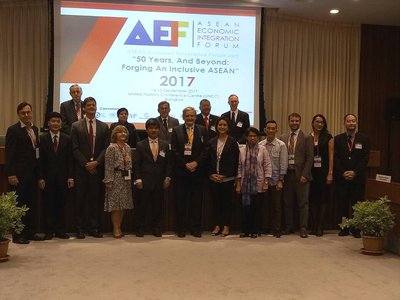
column 208, row 268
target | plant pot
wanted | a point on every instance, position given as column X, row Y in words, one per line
column 373, row 245
column 4, row 249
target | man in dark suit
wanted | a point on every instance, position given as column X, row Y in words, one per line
column 297, row 180
column 71, row 110
column 55, row 176
column 22, row 154
column 206, row 119
column 350, row 163
column 90, row 139
column 152, row 176
column 189, row 148
column 167, row 123
column 239, row 119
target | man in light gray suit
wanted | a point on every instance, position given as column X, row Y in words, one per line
column 297, row 180
column 167, row 123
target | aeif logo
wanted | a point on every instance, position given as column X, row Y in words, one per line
column 165, row 33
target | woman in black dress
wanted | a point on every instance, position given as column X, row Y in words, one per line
column 322, row 172
column 223, row 154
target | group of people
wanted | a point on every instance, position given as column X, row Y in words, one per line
column 82, row 153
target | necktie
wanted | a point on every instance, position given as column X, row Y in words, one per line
column 291, row 143
column 350, row 141
column 165, row 124
column 55, row 143
column 233, row 117
column 154, row 149
column 206, row 122
column 78, row 110
column 190, row 135
column 91, row 135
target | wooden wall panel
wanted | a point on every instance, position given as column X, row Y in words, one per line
column 380, row 79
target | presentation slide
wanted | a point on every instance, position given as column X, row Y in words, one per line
column 134, row 56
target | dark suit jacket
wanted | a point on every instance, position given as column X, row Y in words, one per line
column 20, row 155
column 210, row 133
column 152, row 173
column 133, row 138
column 358, row 157
column 164, row 134
column 68, row 113
column 81, row 145
column 228, row 164
column 56, row 167
column 234, row 130
column 303, row 154
column 199, row 149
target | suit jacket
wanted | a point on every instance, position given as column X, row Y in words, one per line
column 164, row 134
column 68, row 113
column 303, row 154
column 133, row 137
column 81, row 145
column 236, row 131
column 228, row 164
column 355, row 160
column 199, row 148
column 20, row 155
column 55, row 167
column 211, row 132
column 152, row 173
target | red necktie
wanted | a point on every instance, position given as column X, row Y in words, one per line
column 91, row 135
column 206, row 122
column 55, row 143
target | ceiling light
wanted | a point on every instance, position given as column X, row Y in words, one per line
column 334, row 11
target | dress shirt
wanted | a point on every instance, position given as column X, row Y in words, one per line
column 296, row 134
column 236, row 114
column 31, row 133
column 277, row 152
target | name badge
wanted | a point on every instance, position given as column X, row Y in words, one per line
column 317, row 161
column 162, row 153
column 358, row 146
column 239, row 124
column 291, row 159
column 169, row 129
column 188, row 150
column 37, row 153
column 213, row 128
column 126, row 174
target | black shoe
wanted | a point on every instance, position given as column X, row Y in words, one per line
column 48, row 236
column 319, row 233
column 181, row 234
column 196, row 234
column 139, row 233
column 277, row 234
column 20, row 240
column 303, row 233
column 36, row 238
column 80, row 235
column 96, row 234
column 62, row 235
column 254, row 235
column 343, row 232
column 157, row 232
column 244, row 235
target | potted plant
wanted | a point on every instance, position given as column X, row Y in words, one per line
column 374, row 219
column 10, row 220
